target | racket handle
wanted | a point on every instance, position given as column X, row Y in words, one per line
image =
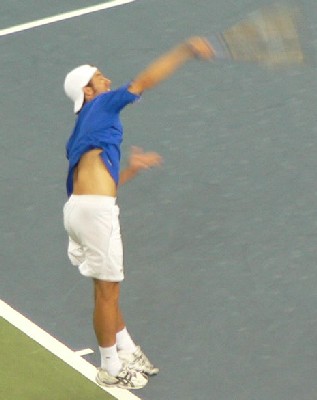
column 220, row 47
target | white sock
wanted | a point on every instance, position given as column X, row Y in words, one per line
column 110, row 360
column 124, row 341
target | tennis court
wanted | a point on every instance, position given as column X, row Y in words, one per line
column 220, row 243
column 30, row 372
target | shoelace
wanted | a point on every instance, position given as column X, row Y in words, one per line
column 143, row 360
column 127, row 378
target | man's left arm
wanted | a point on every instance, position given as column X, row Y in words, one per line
column 139, row 160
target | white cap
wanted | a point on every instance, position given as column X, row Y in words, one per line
column 74, row 83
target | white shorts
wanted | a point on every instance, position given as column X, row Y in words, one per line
column 95, row 244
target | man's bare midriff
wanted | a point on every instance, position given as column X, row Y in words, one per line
column 92, row 177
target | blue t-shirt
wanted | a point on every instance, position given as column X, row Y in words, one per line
column 98, row 126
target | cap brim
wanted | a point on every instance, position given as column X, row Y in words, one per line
column 79, row 103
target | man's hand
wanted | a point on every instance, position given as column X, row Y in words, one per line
column 139, row 160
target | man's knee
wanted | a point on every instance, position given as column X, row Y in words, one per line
column 106, row 291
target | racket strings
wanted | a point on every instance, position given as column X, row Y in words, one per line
column 269, row 37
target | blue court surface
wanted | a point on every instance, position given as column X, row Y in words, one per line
column 220, row 243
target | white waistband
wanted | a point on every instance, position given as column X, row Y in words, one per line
column 92, row 199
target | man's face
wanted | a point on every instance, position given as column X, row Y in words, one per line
column 99, row 83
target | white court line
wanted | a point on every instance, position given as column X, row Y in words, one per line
column 84, row 352
column 58, row 349
column 62, row 17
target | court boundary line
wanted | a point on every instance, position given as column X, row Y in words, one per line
column 62, row 17
column 57, row 348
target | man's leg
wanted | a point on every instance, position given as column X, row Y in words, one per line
column 108, row 321
column 106, row 311
column 105, row 323
column 128, row 352
column 109, row 324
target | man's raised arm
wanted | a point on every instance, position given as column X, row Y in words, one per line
column 164, row 66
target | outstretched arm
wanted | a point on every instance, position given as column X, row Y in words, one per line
column 163, row 67
column 139, row 160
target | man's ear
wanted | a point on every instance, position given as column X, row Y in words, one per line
column 88, row 93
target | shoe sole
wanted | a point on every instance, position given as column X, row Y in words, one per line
column 118, row 385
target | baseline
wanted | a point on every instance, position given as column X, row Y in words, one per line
column 58, row 349
column 63, row 16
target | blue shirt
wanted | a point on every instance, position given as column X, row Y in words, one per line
column 98, row 126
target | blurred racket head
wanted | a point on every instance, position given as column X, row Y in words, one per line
column 270, row 36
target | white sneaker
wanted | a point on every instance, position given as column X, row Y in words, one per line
column 138, row 361
column 126, row 379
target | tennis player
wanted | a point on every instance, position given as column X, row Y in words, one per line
column 91, row 215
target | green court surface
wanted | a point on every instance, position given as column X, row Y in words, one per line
column 30, row 372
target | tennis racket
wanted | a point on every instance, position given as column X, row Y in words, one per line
column 267, row 36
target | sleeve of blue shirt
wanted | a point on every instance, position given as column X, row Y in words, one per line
column 117, row 99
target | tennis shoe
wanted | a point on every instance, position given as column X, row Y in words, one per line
column 138, row 361
column 127, row 378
